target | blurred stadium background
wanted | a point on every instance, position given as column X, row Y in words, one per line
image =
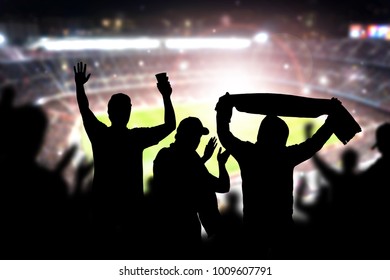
column 202, row 62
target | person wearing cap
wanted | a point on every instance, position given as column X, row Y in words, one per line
column 375, row 193
column 186, row 193
column 267, row 169
column 117, row 191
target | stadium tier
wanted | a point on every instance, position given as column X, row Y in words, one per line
column 355, row 71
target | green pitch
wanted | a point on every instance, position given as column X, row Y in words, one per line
column 244, row 126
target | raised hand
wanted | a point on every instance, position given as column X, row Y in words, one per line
column 224, row 107
column 80, row 76
column 222, row 157
column 224, row 103
column 336, row 106
column 209, row 149
column 165, row 89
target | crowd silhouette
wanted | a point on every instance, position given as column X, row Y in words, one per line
column 108, row 215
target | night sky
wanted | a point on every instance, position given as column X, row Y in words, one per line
column 377, row 9
column 329, row 14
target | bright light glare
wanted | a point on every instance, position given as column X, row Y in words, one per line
column 97, row 44
column 354, row 33
column 261, row 37
column 207, row 43
column 238, row 81
column 306, row 90
column 2, row 39
column 323, row 80
column 183, row 65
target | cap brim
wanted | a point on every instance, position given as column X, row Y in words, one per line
column 205, row 131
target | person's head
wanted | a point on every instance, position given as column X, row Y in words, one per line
column 273, row 132
column 349, row 160
column 119, row 109
column 189, row 132
column 383, row 139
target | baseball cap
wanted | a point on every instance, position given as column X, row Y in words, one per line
column 382, row 134
column 192, row 125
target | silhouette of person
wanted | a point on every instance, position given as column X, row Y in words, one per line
column 33, row 198
column 186, row 193
column 118, row 172
column 313, row 232
column 267, row 168
column 229, row 244
column 344, row 193
column 6, row 111
column 375, row 193
column 80, row 245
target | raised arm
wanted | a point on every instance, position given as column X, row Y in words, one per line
column 224, row 110
column 307, row 149
column 223, row 185
column 312, row 145
column 169, row 113
column 81, row 78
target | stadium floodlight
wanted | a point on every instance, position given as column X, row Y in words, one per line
column 97, row 44
column 207, row 43
column 2, row 39
column 324, row 80
column 306, row 90
column 183, row 65
column 261, row 37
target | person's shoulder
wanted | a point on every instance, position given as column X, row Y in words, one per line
column 164, row 154
column 293, row 146
column 138, row 130
column 134, row 131
column 248, row 145
column 94, row 125
column 165, row 151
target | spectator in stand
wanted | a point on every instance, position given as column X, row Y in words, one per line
column 185, row 193
column 374, row 208
column 117, row 191
column 344, row 198
column 33, row 198
column 267, row 177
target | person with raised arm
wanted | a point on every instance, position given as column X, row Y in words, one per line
column 267, row 169
column 117, row 191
